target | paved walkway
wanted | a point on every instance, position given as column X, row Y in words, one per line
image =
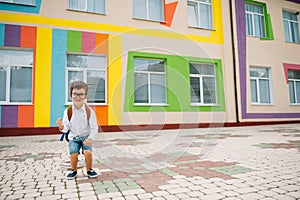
column 258, row 162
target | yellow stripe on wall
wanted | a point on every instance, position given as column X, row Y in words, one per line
column 42, row 78
column 115, row 80
column 218, row 24
column 216, row 36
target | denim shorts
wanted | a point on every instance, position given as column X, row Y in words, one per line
column 77, row 143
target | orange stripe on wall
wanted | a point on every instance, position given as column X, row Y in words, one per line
column 28, row 37
column 101, row 47
column 102, row 115
column 25, row 116
column 101, row 43
column 26, row 112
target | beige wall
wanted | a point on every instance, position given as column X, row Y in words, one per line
column 120, row 15
column 273, row 54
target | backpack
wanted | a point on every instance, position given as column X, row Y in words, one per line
column 70, row 112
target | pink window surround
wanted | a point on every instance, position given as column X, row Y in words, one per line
column 286, row 67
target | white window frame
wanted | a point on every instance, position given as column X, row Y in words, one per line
column 85, row 9
column 289, row 27
column 198, row 18
column 149, row 73
column 201, row 77
column 256, row 33
column 8, row 77
column 21, row 3
column 257, row 79
column 294, row 81
column 148, row 11
column 85, row 72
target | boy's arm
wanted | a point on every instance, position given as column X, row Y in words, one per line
column 93, row 125
column 65, row 123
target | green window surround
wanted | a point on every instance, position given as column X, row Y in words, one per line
column 178, row 97
column 267, row 18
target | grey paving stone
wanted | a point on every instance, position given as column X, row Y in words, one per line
column 283, row 197
column 157, row 198
column 13, row 197
column 290, row 188
column 160, row 193
column 131, row 198
column 212, row 196
column 251, row 196
column 178, row 190
column 295, row 194
column 145, row 196
column 171, row 197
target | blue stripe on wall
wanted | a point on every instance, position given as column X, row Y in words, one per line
column 22, row 8
column 2, row 31
column 59, row 47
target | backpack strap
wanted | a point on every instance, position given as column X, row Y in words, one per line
column 88, row 112
column 70, row 112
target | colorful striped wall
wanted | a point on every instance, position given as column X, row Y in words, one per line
column 50, row 47
column 73, row 41
column 23, row 37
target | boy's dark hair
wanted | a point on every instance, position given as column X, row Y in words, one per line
column 79, row 85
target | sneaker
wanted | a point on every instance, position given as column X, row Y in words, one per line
column 92, row 174
column 72, row 175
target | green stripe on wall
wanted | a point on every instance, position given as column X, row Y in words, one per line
column 177, row 84
column 74, row 41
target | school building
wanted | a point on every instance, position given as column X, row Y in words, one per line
column 150, row 64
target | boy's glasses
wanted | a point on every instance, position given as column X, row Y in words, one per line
column 80, row 95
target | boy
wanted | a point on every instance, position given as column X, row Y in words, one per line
column 82, row 131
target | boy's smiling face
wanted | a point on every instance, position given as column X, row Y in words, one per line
column 78, row 96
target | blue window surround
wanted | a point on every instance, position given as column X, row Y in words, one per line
column 21, row 8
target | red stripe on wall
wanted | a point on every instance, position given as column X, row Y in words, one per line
column 88, row 42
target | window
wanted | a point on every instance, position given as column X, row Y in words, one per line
column 291, row 27
column 149, row 81
column 16, row 76
column 294, row 86
column 90, row 69
column 203, row 83
column 149, row 10
column 94, row 6
column 200, row 13
column 260, row 85
column 25, row 2
column 255, row 20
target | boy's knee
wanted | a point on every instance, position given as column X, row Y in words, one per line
column 87, row 153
